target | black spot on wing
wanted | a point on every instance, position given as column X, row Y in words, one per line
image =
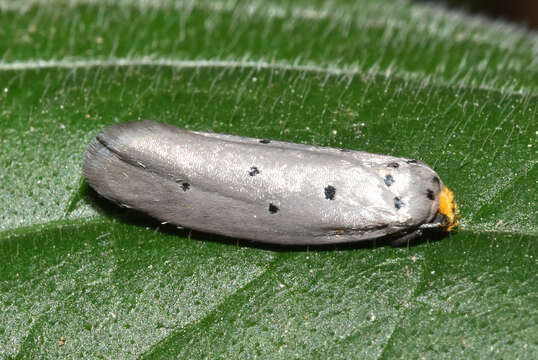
column 330, row 192
column 389, row 180
column 273, row 209
column 185, row 186
column 430, row 194
column 398, row 202
column 436, row 180
column 265, row 141
column 412, row 161
column 393, row 165
column 253, row 171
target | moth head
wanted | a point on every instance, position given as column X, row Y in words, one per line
column 448, row 208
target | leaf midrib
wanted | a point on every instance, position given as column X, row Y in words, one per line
column 227, row 64
column 53, row 226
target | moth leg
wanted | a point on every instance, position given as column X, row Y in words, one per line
column 405, row 239
column 431, row 226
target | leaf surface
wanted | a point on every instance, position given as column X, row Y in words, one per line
column 84, row 279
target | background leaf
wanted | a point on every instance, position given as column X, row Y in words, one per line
column 84, row 279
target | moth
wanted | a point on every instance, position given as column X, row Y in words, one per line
column 264, row 190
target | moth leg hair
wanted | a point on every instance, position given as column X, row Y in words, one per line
column 406, row 239
column 431, row 226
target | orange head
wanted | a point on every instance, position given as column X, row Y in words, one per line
column 449, row 208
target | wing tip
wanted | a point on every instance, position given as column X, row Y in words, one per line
column 95, row 162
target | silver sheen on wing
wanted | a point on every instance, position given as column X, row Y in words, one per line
column 264, row 190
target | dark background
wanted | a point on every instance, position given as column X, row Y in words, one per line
column 524, row 12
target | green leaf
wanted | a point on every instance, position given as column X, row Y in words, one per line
column 81, row 278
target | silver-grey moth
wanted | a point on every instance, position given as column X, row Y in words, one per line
column 265, row 190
